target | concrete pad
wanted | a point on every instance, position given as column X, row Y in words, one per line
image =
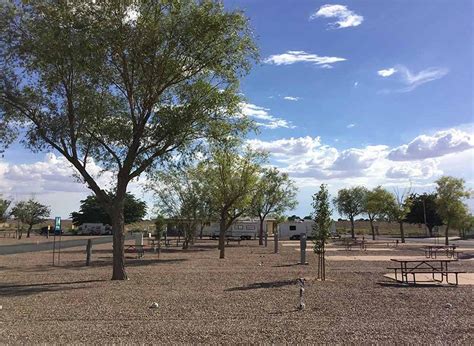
column 426, row 279
column 354, row 249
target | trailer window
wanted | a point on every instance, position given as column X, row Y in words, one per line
column 240, row 227
column 250, row 227
column 292, row 228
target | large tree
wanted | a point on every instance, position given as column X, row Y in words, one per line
column 4, row 205
column 180, row 195
column 423, row 210
column 450, row 194
column 378, row 205
column 30, row 212
column 351, row 202
column 231, row 181
column 121, row 84
column 92, row 211
column 399, row 207
column 275, row 194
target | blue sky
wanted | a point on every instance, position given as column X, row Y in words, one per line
column 347, row 92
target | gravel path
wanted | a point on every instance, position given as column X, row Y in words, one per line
column 250, row 297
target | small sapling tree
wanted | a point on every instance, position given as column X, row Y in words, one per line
column 321, row 227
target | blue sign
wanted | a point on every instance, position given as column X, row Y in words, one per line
column 57, row 225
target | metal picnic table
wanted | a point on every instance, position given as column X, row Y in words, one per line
column 425, row 266
column 431, row 251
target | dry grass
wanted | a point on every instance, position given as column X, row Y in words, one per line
column 250, row 297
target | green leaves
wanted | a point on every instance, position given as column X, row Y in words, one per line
column 450, row 193
column 275, row 193
column 30, row 212
column 322, row 218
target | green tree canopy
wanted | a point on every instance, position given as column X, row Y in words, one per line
column 398, row 209
column 231, row 179
column 4, row 205
column 124, row 85
column 378, row 205
column 450, row 194
column 351, row 202
column 180, row 194
column 275, row 194
column 423, row 209
column 30, row 212
column 91, row 211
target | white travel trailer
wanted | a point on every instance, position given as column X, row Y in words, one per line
column 94, row 229
column 293, row 229
column 241, row 229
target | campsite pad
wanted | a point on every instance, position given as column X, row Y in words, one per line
column 375, row 258
column 354, row 248
column 426, row 279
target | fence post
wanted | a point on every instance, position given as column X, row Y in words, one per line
column 88, row 252
column 275, row 240
column 303, row 248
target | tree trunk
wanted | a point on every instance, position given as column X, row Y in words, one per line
column 222, row 239
column 372, row 228
column 118, row 226
column 446, row 240
column 402, row 232
column 352, row 227
column 430, row 230
column 29, row 230
column 260, row 232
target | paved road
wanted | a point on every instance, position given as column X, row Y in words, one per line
column 22, row 248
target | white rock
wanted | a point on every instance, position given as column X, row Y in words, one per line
column 154, row 306
column 448, row 305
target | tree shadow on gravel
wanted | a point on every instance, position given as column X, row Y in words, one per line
column 29, row 289
column 286, row 265
column 257, row 285
column 130, row 262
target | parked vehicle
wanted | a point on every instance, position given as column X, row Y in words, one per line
column 292, row 230
column 94, row 229
column 239, row 230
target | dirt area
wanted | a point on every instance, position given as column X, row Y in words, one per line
column 38, row 239
column 250, row 297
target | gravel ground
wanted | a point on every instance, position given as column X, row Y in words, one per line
column 250, row 297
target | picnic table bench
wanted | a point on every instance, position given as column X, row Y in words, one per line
column 425, row 266
column 349, row 243
column 431, row 251
column 229, row 239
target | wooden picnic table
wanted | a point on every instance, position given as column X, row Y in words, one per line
column 425, row 266
column 431, row 251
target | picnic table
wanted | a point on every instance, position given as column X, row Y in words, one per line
column 349, row 243
column 431, row 251
column 425, row 266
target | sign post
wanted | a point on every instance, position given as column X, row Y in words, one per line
column 57, row 231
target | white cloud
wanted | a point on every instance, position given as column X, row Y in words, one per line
column 424, row 169
column 261, row 113
column 345, row 17
column 439, row 144
column 413, row 80
column 350, row 126
column 291, row 98
column 387, row 72
column 293, row 56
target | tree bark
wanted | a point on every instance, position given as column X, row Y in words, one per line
column 352, row 227
column 372, row 228
column 118, row 226
column 402, row 232
column 260, row 232
column 430, row 230
column 223, row 229
column 446, row 240
column 29, row 230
